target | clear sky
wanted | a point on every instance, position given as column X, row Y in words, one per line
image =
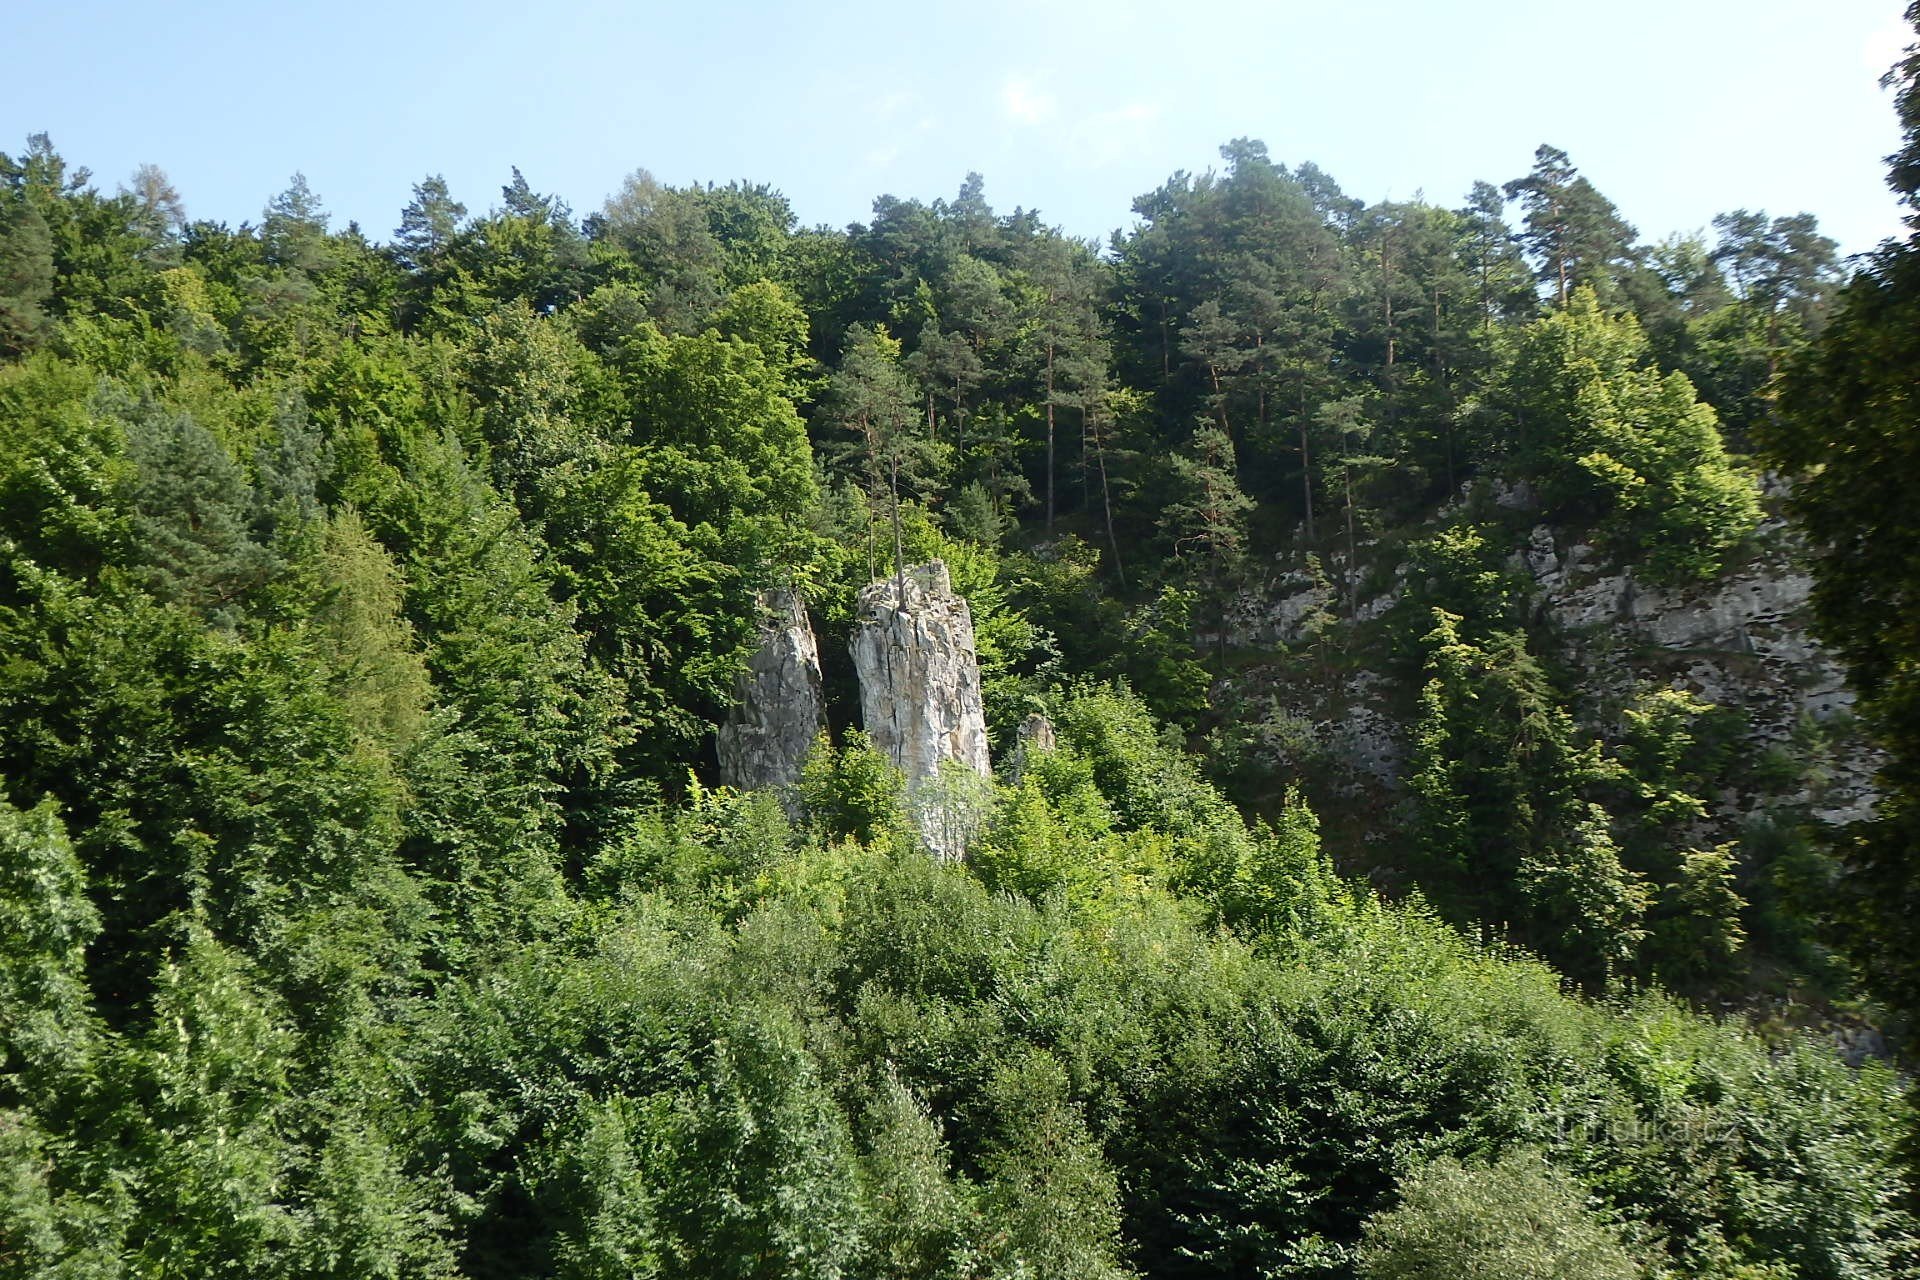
column 1676, row 110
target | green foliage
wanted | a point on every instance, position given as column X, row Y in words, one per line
column 1576, row 237
column 871, row 401
column 1847, row 439
column 192, row 514
column 1674, row 750
column 919, row 1221
column 365, row 640
column 1278, row 885
column 759, row 1178
column 215, row 1141
column 1149, row 646
column 26, row 272
column 62, row 469
column 1207, row 518
column 364, row 612
column 196, row 771
column 1051, row 833
column 1464, row 569
column 1611, row 439
column 714, row 851
column 1050, row 1199
column 46, row 922
column 852, row 792
column 1517, row 1219
column 765, row 315
column 1144, row 774
column 1502, row 781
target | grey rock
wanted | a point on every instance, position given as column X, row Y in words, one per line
column 920, row 697
column 1516, row 496
column 1365, row 737
column 1741, row 640
column 777, row 710
column 1036, row 733
column 1035, row 736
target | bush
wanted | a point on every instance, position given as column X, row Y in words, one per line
column 1517, row 1219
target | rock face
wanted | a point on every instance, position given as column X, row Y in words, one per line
column 1036, row 734
column 1741, row 641
column 919, row 678
column 1034, row 737
column 777, row 710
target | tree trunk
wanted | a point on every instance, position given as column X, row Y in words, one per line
column 1049, row 435
column 1386, row 289
column 899, row 542
column 1353, row 545
column 1106, row 502
column 1306, row 463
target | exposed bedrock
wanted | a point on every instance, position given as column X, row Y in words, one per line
column 777, row 710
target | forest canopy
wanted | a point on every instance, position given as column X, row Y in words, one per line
column 371, row 903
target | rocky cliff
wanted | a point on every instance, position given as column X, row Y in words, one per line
column 777, row 709
column 913, row 649
column 1739, row 641
column 919, row 679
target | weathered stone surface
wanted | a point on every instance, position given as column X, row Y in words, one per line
column 777, row 709
column 1365, row 735
column 1740, row 640
column 1035, row 736
column 919, row 677
column 920, row 698
column 1301, row 595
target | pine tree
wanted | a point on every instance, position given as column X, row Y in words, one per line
column 293, row 229
column 1574, row 233
column 26, row 274
column 873, row 402
column 194, row 515
column 428, row 224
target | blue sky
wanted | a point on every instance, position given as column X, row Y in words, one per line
column 1677, row 110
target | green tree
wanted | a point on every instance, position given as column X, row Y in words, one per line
column 916, row 1220
column 193, row 513
column 46, row 921
column 1502, row 784
column 1049, row 1192
column 216, row 1137
column 527, row 252
column 665, row 234
column 852, row 792
column 1063, row 334
column 293, row 229
column 26, row 274
column 1206, row 517
column 1612, row 439
column 758, row 1177
column 1573, row 232
column 1848, row 437
column 428, row 224
column 1673, row 751
column 872, row 402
